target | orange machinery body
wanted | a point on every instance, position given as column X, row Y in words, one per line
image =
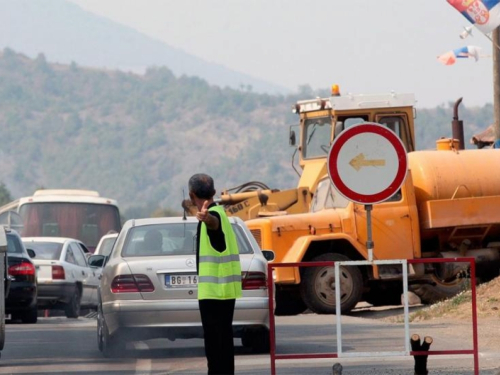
column 447, row 195
column 457, row 190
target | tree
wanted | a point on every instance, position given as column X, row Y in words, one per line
column 5, row 196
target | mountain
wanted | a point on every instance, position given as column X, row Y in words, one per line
column 138, row 138
column 64, row 32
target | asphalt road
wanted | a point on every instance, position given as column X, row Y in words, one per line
column 68, row 346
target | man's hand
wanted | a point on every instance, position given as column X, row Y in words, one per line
column 203, row 214
column 210, row 220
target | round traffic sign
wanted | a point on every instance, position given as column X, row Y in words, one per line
column 367, row 163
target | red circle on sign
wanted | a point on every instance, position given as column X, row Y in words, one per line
column 393, row 185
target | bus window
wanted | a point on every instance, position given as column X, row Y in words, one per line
column 87, row 222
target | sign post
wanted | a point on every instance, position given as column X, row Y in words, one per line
column 367, row 164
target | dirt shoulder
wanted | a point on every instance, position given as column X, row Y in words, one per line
column 456, row 312
column 460, row 306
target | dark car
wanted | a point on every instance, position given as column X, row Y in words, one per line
column 21, row 293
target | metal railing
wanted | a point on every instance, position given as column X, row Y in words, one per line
column 407, row 351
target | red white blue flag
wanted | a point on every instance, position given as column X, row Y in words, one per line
column 484, row 14
column 450, row 57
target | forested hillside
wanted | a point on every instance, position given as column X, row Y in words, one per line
column 139, row 138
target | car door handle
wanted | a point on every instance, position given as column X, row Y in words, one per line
column 83, row 273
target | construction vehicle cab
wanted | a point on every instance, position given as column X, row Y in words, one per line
column 320, row 121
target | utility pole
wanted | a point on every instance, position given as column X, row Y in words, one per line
column 496, row 84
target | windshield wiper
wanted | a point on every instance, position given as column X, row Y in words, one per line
column 312, row 133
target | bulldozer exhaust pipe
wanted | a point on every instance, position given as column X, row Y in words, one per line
column 457, row 126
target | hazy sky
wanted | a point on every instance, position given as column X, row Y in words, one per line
column 366, row 46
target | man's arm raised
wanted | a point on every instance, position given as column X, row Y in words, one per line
column 203, row 215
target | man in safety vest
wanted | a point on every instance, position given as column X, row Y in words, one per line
column 219, row 275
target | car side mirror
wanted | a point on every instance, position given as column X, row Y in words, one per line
column 97, row 261
column 31, row 253
column 268, row 254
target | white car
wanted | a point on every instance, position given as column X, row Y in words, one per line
column 149, row 288
column 105, row 244
column 65, row 279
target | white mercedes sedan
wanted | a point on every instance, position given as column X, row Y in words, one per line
column 149, row 286
column 65, row 279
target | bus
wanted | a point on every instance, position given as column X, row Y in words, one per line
column 80, row 214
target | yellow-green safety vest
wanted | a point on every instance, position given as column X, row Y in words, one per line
column 219, row 274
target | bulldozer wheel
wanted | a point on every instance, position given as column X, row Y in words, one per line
column 435, row 290
column 318, row 286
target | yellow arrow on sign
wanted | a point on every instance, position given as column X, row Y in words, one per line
column 359, row 161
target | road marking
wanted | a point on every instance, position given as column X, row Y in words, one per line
column 359, row 161
column 142, row 366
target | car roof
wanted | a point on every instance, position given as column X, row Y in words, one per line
column 49, row 239
column 172, row 220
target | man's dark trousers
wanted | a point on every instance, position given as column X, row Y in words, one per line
column 217, row 321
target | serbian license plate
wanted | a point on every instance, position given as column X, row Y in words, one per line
column 174, row 281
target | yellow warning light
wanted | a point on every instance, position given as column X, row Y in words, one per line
column 335, row 90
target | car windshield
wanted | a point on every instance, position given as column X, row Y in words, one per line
column 171, row 239
column 13, row 245
column 107, row 246
column 45, row 250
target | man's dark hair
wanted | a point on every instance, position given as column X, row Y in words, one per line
column 202, row 185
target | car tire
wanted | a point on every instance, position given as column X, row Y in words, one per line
column 110, row 346
column 72, row 309
column 30, row 316
column 316, row 286
column 257, row 340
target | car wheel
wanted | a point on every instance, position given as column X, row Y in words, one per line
column 72, row 309
column 318, row 286
column 30, row 317
column 111, row 346
column 257, row 340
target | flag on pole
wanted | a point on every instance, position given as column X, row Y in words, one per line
column 450, row 57
column 484, row 14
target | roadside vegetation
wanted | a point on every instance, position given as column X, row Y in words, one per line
column 138, row 138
